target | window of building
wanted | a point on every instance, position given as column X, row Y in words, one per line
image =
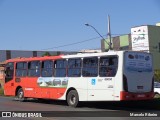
column 21, row 69
column 34, row 68
column 47, row 68
column 108, row 66
column 9, row 71
column 90, row 67
column 74, row 67
column 60, row 68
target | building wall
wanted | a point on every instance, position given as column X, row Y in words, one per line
column 124, row 41
column 16, row 53
column 118, row 43
column 2, row 77
column 2, row 55
column 154, row 45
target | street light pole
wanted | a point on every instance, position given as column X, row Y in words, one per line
column 95, row 30
column 109, row 44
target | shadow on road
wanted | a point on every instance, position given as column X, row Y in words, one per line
column 126, row 105
column 116, row 105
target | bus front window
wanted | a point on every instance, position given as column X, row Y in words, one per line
column 9, row 72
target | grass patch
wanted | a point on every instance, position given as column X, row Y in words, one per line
column 1, row 91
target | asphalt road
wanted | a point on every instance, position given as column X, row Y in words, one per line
column 88, row 110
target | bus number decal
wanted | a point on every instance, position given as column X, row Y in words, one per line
column 106, row 79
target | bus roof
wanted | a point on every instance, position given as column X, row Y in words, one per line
column 33, row 58
column 78, row 55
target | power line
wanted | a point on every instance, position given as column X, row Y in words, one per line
column 65, row 45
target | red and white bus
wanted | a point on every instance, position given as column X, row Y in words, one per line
column 108, row 76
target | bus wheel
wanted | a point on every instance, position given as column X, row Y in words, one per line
column 20, row 95
column 72, row 98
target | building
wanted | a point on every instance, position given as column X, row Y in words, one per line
column 122, row 42
column 2, row 74
column 142, row 38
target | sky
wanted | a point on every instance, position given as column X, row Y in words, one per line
column 58, row 25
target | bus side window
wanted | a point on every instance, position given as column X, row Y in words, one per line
column 108, row 66
column 60, row 68
column 47, row 68
column 90, row 67
column 74, row 67
column 21, row 69
column 34, row 68
column 9, row 71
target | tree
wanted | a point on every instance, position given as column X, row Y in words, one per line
column 157, row 75
column 46, row 54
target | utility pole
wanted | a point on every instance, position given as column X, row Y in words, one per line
column 109, row 34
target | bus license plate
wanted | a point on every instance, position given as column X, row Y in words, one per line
column 141, row 95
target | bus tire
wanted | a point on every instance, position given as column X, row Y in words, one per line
column 72, row 98
column 20, row 95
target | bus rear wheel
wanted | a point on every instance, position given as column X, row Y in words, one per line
column 20, row 95
column 72, row 98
